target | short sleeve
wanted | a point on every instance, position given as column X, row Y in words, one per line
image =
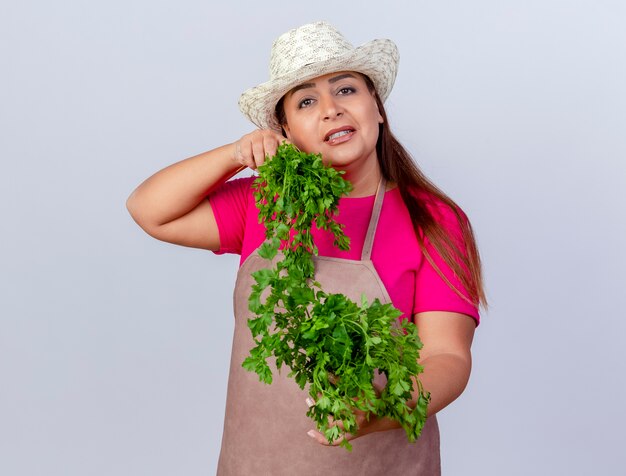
column 229, row 204
column 432, row 292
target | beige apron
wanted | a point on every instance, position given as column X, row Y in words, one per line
column 265, row 426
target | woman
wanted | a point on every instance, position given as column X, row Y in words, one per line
column 410, row 244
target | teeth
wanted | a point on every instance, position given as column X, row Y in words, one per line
column 338, row 134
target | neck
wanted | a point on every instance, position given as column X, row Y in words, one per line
column 364, row 179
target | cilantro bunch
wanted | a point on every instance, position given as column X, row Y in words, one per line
column 326, row 340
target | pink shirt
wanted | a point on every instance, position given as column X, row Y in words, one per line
column 412, row 283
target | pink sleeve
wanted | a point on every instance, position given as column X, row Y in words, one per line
column 432, row 292
column 229, row 203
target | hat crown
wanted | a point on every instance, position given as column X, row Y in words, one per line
column 305, row 45
column 314, row 50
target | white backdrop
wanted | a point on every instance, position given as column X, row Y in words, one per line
column 114, row 347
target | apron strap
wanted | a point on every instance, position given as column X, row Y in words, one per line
column 371, row 229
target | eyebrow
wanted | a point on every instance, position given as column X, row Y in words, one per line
column 332, row 80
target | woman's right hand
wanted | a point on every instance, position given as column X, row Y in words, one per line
column 252, row 149
column 171, row 205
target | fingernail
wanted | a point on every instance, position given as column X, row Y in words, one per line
column 311, row 433
column 309, row 402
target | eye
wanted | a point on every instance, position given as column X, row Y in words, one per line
column 346, row 90
column 306, row 102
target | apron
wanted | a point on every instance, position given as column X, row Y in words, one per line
column 265, row 426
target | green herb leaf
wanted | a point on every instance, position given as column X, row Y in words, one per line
column 327, row 341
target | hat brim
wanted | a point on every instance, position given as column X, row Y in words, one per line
column 377, row 59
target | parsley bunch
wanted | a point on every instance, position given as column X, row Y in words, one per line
column 326, row 340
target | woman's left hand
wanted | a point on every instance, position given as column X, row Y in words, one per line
column 364, row 426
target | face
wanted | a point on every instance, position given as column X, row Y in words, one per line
column 335, row 115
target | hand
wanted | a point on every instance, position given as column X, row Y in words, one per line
column 252, row 148
column 364, row 425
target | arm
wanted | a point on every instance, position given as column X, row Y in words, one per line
column 446, row 355
column 170, row 205
column 447, row 361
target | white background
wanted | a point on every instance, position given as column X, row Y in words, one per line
column 114, row 347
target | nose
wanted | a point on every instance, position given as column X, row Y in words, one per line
column 330, row 108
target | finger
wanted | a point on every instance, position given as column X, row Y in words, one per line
column 281, row 140
column 245, row 153
column 320, row 438
column 310, row 402
column 270, row 145
column 317, row 436
column 258, row 152
column 237, row 153
column 333, row 422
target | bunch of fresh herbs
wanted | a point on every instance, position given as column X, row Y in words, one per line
column 327, row 340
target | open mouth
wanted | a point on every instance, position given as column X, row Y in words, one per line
column 336, row 135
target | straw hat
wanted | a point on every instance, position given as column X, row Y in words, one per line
column 314, row 50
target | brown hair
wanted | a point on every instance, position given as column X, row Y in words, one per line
column 397, row 166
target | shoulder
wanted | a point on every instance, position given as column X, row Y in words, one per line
column 447, row 213
column 232, row 197
column 234, row 192
column 233, row 205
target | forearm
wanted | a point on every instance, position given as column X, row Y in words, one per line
column 445, row 376
column 177, row 189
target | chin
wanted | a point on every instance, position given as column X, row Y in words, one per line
column 346, row 160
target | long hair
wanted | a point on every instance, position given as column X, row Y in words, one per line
column 397, row 166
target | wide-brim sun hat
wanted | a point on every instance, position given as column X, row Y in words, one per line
column 313, row 50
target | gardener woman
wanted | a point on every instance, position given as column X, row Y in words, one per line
column 410, row 245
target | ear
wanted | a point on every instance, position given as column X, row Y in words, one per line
column 286, row 131
column 380, row 116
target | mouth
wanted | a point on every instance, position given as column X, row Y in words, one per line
column 335, row 134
